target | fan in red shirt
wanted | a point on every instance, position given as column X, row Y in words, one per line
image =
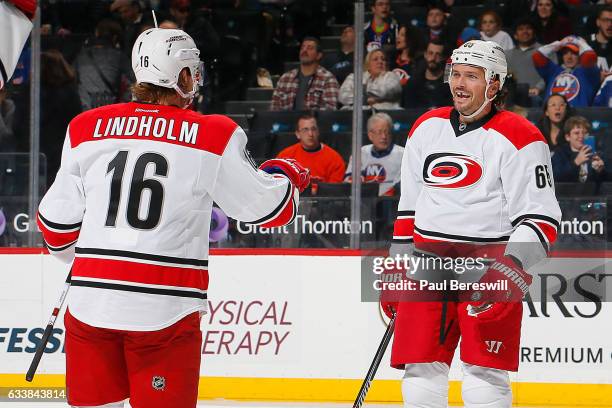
column 325, row 164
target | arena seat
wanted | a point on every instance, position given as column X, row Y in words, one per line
column 344, row 189
column 338, row 121
column 274, row 121
column 342, row 142
column 280, row 141
column 402, row 123
column 259, row 144
column 575, row 189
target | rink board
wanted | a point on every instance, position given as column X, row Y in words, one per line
column 293, row 327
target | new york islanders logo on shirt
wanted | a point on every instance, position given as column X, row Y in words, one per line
column 374, row 173
column 451, row 170
column 567, row 85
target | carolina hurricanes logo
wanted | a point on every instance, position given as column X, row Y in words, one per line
column 374, row 173
column 451, row 170
column 567, row 85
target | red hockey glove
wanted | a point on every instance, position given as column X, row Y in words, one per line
column 390, row 308
column 27, row 7
column 503, row 270
column 297, row 174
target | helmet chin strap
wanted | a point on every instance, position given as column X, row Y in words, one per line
column 189, row 95
column 484, row 105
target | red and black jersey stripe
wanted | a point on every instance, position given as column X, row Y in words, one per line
column 140, row 272
column 403, row 228
column 283, row 214
column 545, row 228
column 57, row 236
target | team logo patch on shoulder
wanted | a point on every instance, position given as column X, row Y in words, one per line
column 158, row 383
column 451, row 170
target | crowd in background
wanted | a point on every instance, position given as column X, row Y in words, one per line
column 558, row 54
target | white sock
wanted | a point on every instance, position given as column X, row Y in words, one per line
column 425, row 385
column 485, row 387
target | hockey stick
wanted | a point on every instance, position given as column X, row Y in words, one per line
column 367, row 382
column 48, row 330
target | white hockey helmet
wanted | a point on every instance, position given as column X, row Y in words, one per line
column 485, row 54
column 159, row 55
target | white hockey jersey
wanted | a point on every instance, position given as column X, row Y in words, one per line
column 487, row 182
column 15, row 28
column 383, row 168
column 132, row 204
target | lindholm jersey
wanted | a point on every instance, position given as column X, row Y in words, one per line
column 383, row 168
column 132, row 205
column 486, row 182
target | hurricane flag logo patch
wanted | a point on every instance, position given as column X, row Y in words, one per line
column 451, row 170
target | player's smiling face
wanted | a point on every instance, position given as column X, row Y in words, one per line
column 467, row 84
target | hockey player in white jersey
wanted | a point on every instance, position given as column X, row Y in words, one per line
column 478, row 182
column 15, row 27
column 130, row 208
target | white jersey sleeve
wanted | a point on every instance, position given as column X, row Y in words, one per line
column 411, row 186
column 61, row 209
column 533, row 209
column 250, row 195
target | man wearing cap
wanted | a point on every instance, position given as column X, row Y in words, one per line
column 577, row 78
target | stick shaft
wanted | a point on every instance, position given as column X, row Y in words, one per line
column 40, row 349
column 367, row 382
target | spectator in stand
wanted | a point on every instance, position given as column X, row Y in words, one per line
column 556, row 111
column 309, row 87
column 520, row 60
column 409, row 51
column 599, row 41
column 604, row 95
column 577, row 78
column 7, row 122
column 436, row 28
column 550, row 25
column 427, row 89
column 382, row 87
column 325, row 164
column 381, row 161
column 576, row 161
column 340, row 62
column 491, row 30
column 133, row 17
column 104, row 72
column 381, row 32
column 194, row 22
column 60, row 103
